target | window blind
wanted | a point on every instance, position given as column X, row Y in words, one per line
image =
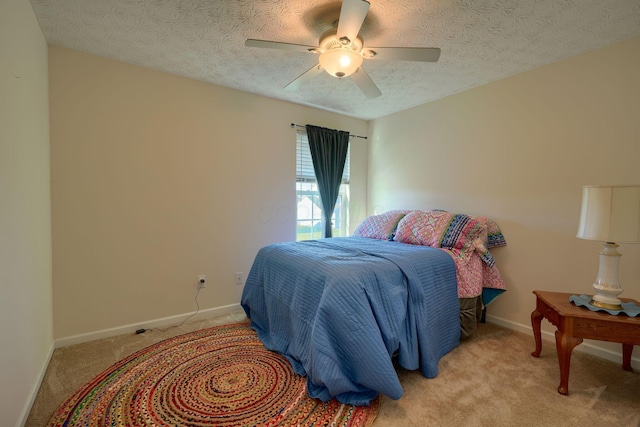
column 304, row 163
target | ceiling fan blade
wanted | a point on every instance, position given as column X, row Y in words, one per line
column 423, row 54
column 366, row 85
column 352, row 16
column 303, row 78
column 279, row 45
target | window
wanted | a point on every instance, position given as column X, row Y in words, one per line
column 309, row 224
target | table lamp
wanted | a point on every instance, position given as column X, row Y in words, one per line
column 610, row 214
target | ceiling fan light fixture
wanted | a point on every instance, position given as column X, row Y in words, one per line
column 340, row 62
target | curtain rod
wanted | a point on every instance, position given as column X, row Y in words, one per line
column 350, row 136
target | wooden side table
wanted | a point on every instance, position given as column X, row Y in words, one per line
column 576, row 323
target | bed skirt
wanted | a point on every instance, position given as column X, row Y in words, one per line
column 470, row 315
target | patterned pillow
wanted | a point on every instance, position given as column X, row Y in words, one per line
column 465, row 235
column 380, row 226
column 494, row 238
column 423, row 228
column 441, row 229
column 462, row 232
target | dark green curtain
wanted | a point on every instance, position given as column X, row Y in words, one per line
column 329, row 152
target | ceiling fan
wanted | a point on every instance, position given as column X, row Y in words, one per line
column 342, row 51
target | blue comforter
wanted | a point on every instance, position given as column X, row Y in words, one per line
column 339, row 308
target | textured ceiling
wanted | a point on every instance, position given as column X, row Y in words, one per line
column 481, row 41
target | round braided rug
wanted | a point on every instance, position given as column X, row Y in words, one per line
column 221, row 376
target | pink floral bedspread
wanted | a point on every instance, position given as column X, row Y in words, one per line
column 473, row 274
column 468, row 239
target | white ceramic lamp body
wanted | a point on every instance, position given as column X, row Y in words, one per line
column 607, row 288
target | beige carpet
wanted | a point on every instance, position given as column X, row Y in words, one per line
column 491, row 379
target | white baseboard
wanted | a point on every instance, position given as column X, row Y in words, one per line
column 22, row 420
column 158, row 323
column 585, row 347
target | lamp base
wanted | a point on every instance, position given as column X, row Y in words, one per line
column 605, row 305
column 606, row 286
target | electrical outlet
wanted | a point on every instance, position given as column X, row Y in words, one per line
column 202, row 281
column 239, row 278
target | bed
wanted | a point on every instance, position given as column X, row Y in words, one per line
column 406, row 287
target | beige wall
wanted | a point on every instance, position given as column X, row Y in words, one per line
column 25, row 220
column 519, row 150
column 157, row 179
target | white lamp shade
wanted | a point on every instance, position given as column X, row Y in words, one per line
column 340, row 62
column 610, row 213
